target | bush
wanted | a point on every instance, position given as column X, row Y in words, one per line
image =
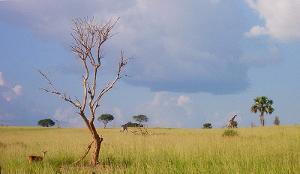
column 207, row 126
column 230, row 133
column 140, row 118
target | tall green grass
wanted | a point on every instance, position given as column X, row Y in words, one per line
column 255, row 150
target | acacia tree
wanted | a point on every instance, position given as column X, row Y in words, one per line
column 46, row 122
column 140, row 118
column 106, row 118
column 264, row 106
column 89, row 37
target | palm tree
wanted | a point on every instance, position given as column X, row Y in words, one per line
column 264, row 106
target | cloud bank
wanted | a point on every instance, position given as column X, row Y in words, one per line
column 190, row 46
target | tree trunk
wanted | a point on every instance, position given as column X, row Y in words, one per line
column 96, row 152
column 97, row 140
column 262, row 120
column 97, row 145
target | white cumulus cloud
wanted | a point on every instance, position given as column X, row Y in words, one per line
column 17, row 89
column 2, row 81
column 183, row 100
column 281, row 19
column 168, row 111
column 256, row 31
column 68, row 117
column 7, row 91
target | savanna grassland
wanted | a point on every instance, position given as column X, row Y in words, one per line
column 255, row 150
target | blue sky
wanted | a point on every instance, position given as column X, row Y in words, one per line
column 192, row 61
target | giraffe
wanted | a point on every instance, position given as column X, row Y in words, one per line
column 232, row 123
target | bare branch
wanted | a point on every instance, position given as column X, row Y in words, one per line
column 122, row 63
column 58, row 93
column 46, row 78
column 85, row 85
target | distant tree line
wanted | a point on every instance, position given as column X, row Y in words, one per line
column 262, row 105
column 105, row 119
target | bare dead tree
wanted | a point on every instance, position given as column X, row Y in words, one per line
column 89, row 38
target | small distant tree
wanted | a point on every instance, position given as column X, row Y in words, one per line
column 140, row 118
column 207, row 126
column 263, row 105
column 46, row 123
column 105, row 119
column 276, row 121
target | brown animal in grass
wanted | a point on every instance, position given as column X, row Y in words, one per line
column 34, row 158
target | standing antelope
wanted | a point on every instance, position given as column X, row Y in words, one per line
column 34, row 158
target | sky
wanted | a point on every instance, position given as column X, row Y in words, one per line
column 191, row 61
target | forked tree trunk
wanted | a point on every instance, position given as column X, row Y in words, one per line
column 97, row 144
column 97, row 140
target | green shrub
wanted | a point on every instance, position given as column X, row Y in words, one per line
column 230, row 133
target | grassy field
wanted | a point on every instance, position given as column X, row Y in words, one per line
column 255, row 150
